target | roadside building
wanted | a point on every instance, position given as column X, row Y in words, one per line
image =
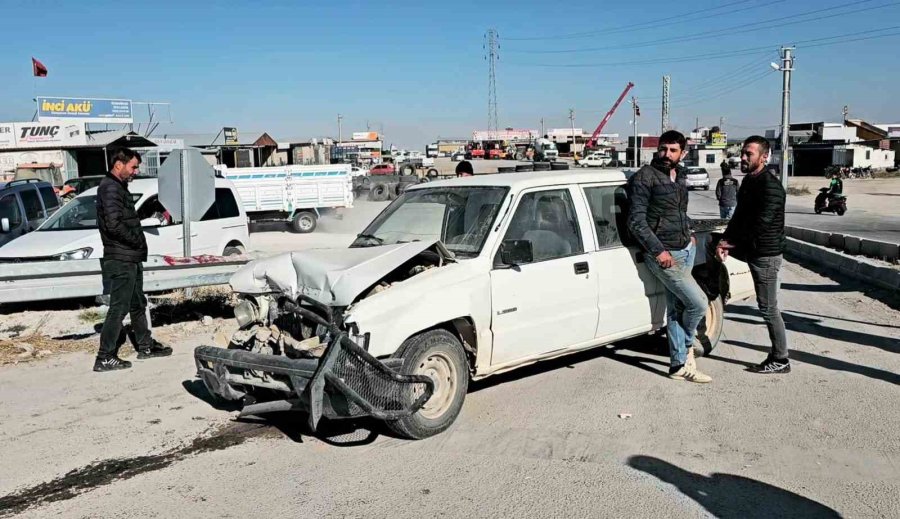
column 66, row 148
column 854, row 143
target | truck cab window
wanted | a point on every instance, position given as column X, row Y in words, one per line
column 547, row 219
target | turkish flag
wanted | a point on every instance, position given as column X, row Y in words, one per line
column 38, row 68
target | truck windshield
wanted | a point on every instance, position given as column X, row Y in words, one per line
column 80, row 213
column 461, row 217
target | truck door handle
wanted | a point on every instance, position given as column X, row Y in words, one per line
column 582, row 267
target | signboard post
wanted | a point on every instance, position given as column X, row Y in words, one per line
column 187, row 189
column 85, row 110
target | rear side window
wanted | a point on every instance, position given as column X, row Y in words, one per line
column 49, row 198
column 33, row 209
column 9, row 208
column 225, row 206
column 609, row 209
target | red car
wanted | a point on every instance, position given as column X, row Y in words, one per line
column 382, row 169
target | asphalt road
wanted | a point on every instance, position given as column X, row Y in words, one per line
column 543, row 441
column 873, row 210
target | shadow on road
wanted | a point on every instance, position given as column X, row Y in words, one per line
column 888, row 297
column 293, row 425
column 645, row 344
column 732, row 496
column 799, row 287
column 811, row 326
column 828, row 363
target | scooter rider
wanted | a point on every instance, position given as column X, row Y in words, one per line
column 837, row 185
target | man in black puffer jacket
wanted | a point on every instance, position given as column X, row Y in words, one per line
column 658, row 220
column 124, row 249
column 755, row 234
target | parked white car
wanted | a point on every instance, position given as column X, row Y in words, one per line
column 72, row 233
column 595, row 160
column 697, row 178
column 454, row 281
column 358, row 172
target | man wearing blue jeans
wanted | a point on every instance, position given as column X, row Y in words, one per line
column 755, row 234
column 658, row 220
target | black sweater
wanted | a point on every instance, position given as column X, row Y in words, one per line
column 120, row 229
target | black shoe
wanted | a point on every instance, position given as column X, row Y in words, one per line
column 155, row 350
column 111, row 364
column 771, row 366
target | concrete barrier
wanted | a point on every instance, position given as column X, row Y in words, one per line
column 852, row 245
column 861, row 269
column 879, row 249
column 836, row 241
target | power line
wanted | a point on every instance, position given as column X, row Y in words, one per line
column 644, row 25
column 737, row 29
column 814, row 42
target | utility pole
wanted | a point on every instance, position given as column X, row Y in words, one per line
column 542, row 126
column 787, row 66
column 665, row 104
column 340, row 134
column 721, row 123
column 492, row 54
column 845, row 112
column 696, row 123
column 572, row 120
column 635, row 112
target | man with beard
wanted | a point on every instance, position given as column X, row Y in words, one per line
column 658, row 220
column 755, row 234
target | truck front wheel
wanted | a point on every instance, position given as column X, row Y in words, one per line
column 438, row 355
column 710, row 329
column 304, row 222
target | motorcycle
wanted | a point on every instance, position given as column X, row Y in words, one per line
column 830, row 203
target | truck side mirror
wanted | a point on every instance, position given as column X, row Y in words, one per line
column 4, row 225
column 516, row 252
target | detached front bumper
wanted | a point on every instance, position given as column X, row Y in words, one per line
column 345, row 382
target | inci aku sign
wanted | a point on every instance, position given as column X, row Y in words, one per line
column 87, row 110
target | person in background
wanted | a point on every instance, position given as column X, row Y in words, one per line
column 464, row 169
column 726, row 193
column 755, row 235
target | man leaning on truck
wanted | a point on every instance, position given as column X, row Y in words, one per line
column 658, row 220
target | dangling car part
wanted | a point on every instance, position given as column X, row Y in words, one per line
column 346, row 381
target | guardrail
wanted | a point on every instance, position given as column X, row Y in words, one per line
column 48, row 280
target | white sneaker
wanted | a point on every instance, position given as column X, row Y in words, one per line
column 691, row 363
column 691, row 375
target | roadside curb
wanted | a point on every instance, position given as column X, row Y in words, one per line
column 861, row 269
column 850, row 244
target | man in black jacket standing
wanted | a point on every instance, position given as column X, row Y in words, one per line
column 124, row 249
column 658, row 220
column 726, row 194
column 755, row 234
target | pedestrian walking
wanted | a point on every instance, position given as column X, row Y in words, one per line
column 658, row 220
column 725, row 167
column 755, row 235
column 124, row 249
column 726, row 194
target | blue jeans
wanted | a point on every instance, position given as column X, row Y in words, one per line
column 686, row 302
column 726, row 211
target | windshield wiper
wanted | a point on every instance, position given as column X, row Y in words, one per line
column 371, row 237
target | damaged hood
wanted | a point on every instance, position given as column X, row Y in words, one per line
column 333, row 277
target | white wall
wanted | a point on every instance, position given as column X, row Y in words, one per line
column 863, row 156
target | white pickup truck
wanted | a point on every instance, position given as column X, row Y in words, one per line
column 454, row 281
column 292, row 194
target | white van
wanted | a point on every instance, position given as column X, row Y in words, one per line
column 72, row 232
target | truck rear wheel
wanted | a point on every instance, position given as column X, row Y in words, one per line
column 710, row 329
column 379, row 192
column 438, row 355
column 304, row 222
column 407, row 169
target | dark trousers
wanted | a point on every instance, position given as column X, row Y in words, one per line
column 765, row 279
column 125, row 282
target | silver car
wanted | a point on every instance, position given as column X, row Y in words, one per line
column 697, row 178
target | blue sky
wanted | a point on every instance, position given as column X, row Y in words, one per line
column 416, row 69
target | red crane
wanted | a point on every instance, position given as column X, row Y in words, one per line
column 593, row 142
